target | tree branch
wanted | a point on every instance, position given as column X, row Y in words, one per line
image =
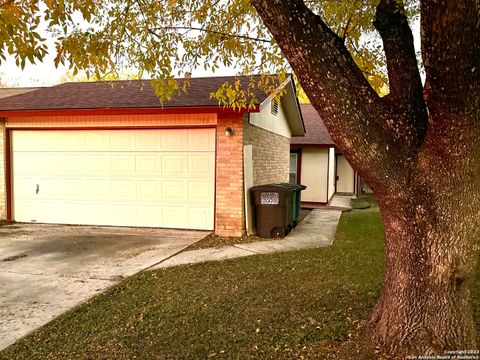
column 349, row 106
column 345, row 29
column 221, row 33
column 406, row 90
column 451, row 62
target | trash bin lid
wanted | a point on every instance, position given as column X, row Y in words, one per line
column 270, row 188
column 288, row 186
column 294, row 187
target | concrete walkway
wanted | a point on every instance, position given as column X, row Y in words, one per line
column 341, row 201
column 316, row 230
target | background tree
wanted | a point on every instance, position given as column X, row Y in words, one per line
column 418, row 147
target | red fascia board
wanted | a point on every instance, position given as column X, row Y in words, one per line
column 128, row 111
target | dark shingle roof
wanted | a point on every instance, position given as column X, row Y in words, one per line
column 7, row 92
column 316, row 132
column 118, row 94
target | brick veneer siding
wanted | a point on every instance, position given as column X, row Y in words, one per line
column 229, row 208
column 271, row 154
column 3, row 193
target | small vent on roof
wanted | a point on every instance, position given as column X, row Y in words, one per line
column 274, row 107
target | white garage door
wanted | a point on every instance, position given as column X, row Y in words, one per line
column 158, row 178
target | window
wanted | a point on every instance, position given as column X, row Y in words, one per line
column 274, row 107
column 293, row 168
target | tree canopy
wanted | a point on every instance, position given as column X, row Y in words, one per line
column 172, row 38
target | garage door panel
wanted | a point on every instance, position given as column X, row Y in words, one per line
column 68, row 164
column 158, row 178
column 27, row 210
column 24, row 188
column 49, row 141
column 200, row 192
column 149, row 190
column 48, row 164
column 96, row 189
column 122, row 165
column 57, row 188
column 174, row 191
column 201, row 140
column 201, row 165
column 149, row 215
column 122, row 141
column 97, row 164
column 122, row 213
column 200, row 217
column 95, row 213
column 174, row 165
column 67, row 141
column 174, row 216
column 26, row 164
column 63, row 212
column 122, row 190
column 147, row 165
column 148, row 141
column 96, row 140
column 174, row 140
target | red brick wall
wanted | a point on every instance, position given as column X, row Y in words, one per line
column 229, row 213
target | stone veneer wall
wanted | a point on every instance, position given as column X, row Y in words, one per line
column 271, row 154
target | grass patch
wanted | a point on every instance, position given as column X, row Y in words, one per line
column 299, row 304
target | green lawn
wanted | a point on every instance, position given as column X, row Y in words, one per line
column 281, row 306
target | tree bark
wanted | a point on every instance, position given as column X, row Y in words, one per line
column 424, row 166
column 431, row 241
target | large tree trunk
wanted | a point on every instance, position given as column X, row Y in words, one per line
column 431, row 241
column 431, row 238
column 424, row 167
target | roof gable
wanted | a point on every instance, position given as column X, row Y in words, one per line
column 316, row 132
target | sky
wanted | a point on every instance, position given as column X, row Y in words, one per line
column 45, row 73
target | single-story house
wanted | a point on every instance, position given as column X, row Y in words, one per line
column 111, row 154
column 316, row 163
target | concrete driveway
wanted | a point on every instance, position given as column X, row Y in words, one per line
column 47, row 269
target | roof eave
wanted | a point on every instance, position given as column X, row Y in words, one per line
column 129, row 111
column 292, row 108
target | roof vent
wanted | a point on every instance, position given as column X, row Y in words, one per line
column 274, row 107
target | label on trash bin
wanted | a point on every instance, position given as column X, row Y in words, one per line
column 269, row 198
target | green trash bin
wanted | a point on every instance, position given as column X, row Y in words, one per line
column 272, row 210
column 296, row 201
column 292, row 200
